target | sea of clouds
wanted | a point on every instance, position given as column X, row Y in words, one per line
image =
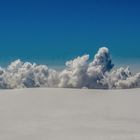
column 78, row 73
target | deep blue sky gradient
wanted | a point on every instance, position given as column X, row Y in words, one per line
column 54, row 31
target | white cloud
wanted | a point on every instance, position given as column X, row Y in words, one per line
column 78, row 74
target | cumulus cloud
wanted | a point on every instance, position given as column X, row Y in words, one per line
column 78, row 73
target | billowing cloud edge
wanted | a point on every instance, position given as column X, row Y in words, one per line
column 78, row 73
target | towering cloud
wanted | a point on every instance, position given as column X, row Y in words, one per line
column 98, row 74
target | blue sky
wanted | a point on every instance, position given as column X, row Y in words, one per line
column 53, row 31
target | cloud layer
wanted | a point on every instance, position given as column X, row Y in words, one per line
column 78, row 73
